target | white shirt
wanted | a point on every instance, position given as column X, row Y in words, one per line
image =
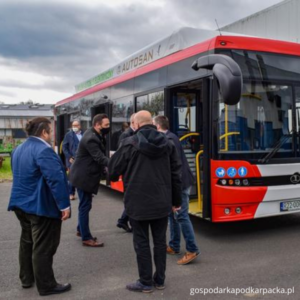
column 79, row 135
column 36, row 137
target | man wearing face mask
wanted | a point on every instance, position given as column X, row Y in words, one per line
column 90, row 163
column 69, row 147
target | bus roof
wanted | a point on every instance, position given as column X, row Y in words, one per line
column 179, row 45
column 178, row 40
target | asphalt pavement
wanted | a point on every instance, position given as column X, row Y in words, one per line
column 235, row 257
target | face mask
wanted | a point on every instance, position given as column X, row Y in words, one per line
column 75, row 129
column 105, row 131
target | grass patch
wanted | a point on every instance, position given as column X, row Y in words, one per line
column 5, row 171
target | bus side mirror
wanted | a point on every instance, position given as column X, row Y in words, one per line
column 228, row 75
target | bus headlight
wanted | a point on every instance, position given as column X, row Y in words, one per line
column 224, row 181
column 227, row 211
column 238, row 210
column 245, row 182
column 237, row 182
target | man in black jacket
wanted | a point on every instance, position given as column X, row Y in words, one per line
column 116, row 136
column 129, row 132
column 182, row 222
column 151, row 172
column 90, row 163
column 124, row 219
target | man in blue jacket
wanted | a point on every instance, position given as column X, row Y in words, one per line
column 69, row 147
column 40, row 200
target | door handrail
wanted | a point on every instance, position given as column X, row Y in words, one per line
column 226, row 135
column 198, row 179
column 187, row 135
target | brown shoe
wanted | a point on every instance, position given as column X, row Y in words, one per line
column 79, row 234
column 171, row 251
column 92, row 243
column 187, row 258
column 72, row 197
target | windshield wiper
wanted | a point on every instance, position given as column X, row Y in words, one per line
column 278, row 145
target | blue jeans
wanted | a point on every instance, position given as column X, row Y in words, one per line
column 85, row 205
column 182, row 221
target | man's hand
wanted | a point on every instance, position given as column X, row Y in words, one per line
column 71, row 160
column 174, row 208
column 66, row 214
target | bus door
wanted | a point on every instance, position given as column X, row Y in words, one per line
column 62, row 126
column 186, row 121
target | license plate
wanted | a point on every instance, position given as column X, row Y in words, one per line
column 290, row 205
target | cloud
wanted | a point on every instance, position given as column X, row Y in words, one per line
column 74, row 42
column 7, row 93
column 69, row 41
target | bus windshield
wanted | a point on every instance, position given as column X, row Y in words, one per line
column 264, row 124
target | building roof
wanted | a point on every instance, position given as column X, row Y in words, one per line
column 26, row 110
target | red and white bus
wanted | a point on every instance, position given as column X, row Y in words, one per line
column 246, row 156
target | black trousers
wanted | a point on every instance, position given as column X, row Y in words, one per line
column 141, row 244
column 40, row 238
column 124, row 218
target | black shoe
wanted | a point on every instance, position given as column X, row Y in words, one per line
column 125, row 227
column 27, row 285
column 158, row 286
column 60, row 288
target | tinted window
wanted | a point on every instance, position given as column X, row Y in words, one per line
column 267, row 66
column 122, row 109
column 150, row 80
column 153, row 102
column 182, row 70
column 18, row 134
column 122, row 89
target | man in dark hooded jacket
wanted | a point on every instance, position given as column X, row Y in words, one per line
column 151, row 172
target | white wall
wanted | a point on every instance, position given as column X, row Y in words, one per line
column 279, row 22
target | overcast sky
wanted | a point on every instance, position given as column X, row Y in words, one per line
column 49, row 46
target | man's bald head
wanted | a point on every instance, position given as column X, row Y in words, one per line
column 142, row 118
